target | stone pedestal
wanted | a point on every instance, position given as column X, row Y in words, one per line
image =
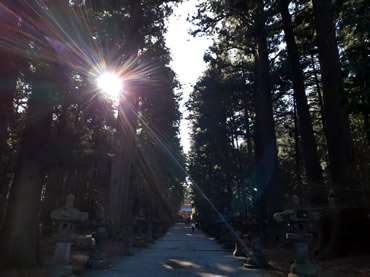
column 255, row 258
column 240, row 247
column 127, row 239
column 157, row 231
column 66, row 217
column 228, row 240
column 149, row 236
column 140, row 243
column 97, row 259
column 298, row 219
column 302, row 267
column 140, row 236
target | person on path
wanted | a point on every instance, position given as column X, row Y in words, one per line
column 193, row 227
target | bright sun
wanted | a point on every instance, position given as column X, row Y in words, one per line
column 110, row 84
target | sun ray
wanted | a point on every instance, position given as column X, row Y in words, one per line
column 55, row 32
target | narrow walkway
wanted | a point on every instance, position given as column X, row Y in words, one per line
column 180, row 253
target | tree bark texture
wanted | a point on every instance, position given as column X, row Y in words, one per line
column 317, row 190
column 122, row 163
column 126, row 130
column 265, row 143
column 346, row 198
column 298, row 158
column 54, row 193
column 319, row 94
column 21, row 228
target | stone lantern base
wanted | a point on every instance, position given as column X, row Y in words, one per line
column 240, row 248
column 302, row 270
column 127, row 251
column 256, row 259
column 140, row 243
column 98, row 262
column 149, row 237
column 127, row 239
column 60, row 271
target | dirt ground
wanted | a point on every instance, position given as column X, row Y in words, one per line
column 355, row 265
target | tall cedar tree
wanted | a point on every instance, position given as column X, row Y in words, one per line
column 317, row 191
column 21, row 227
column 346, row 227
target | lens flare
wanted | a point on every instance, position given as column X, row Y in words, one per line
column 68, row 34
column 110, row 84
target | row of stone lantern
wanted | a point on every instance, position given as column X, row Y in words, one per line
column 233, row 239
column 296, row 218
column 67, row 218
column 147, row 231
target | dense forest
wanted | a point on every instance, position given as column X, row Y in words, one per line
column 61, row 135
column 282, row 109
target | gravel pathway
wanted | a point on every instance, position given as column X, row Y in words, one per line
column 179, row 253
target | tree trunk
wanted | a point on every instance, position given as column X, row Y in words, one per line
column 122, row 163
column 297, row 153
column 53, row 193
column 346, row 198
column 319, row 95
column 126, row 130
column 54, row 196
column 129, row 149
column 321, row 104
column 265, row 142
column 318, row 192
column 21, row 228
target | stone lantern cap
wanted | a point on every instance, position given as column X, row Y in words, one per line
column 296, row 214
column 68, row 213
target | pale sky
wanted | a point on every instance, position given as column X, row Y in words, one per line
column 187, row 57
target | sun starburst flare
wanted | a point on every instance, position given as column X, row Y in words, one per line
column 69, row 35
column 110, row 84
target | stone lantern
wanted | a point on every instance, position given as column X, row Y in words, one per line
column 66, row 217
column 255, row 256
column 97, row 259
column 240, row 248
column 140, row 237
column 298, row 218
column 127, row 240
column 157, row 229
column 149, row 233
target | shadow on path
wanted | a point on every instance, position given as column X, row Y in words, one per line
column 180, row 253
